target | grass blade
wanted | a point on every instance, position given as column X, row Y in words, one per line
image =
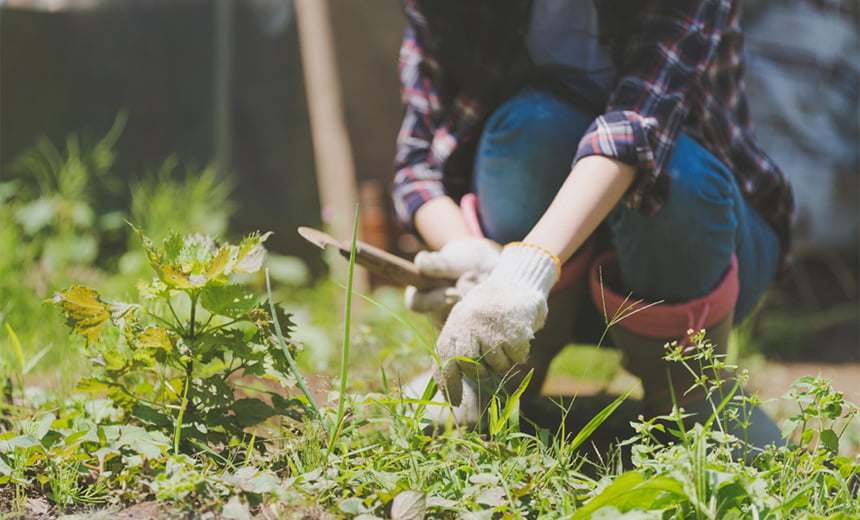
column 300, row 381
column 596, row 421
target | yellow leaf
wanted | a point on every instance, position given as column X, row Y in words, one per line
column 173, row 276
column 154, row 337
column 85, row 312
column 218, row 266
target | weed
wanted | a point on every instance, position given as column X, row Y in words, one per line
column 183, row 346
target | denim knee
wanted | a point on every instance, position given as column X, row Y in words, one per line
column 682, row 251
column 524, row 154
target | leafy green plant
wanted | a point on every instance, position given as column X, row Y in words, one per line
column 181, row 353
column 702, row 475
column 818, row 404
column 65, row 197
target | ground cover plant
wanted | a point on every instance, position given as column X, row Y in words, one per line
column 190, row 396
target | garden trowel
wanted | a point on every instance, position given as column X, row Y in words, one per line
column 377, row 261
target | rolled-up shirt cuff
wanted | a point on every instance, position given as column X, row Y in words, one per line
column 410, row 196
column 630, row 138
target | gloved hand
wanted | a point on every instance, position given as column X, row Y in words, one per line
column 466, row 260
column 495, row 322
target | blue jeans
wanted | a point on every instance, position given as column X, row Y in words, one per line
column 676, row 255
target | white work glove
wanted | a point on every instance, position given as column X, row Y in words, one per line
column 465, row 261
column 495, row 322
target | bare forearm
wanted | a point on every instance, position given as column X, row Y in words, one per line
column 439, row 221
column 593, row 187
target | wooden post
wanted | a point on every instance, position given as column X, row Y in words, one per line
column 332, row 150
column 222, row 88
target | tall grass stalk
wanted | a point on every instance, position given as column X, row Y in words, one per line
column 344, row 356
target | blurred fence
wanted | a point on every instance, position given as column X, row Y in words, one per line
column 221, row 80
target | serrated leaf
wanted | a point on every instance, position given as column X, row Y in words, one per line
column 173, row 276
column 266, row 325
column 88, row 435
column 153, row 289
column 233, row 301
column 173, row 248
column 218, row 268
column 251, row 253
column 85, row 312
column 148, row 246
column 409, row 505
column 94, row 386
column 154, row 338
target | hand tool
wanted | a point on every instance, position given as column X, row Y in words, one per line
column 377, row 261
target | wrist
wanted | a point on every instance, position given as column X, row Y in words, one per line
column 529, row 265
column 472, row 242
column 439, row 221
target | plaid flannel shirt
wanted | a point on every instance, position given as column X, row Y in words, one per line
column 680, row 72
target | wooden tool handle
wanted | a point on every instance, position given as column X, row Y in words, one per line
column 377, row 261
column 392, row 267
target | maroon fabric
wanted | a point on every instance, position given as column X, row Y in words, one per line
column 659, row 320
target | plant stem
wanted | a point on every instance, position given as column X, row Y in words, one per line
column 178, row 435
column 223, row 325
column 162, row 320
column 175, row 315
column 194, row 296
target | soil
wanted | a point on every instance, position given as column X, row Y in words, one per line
column 772, row 379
